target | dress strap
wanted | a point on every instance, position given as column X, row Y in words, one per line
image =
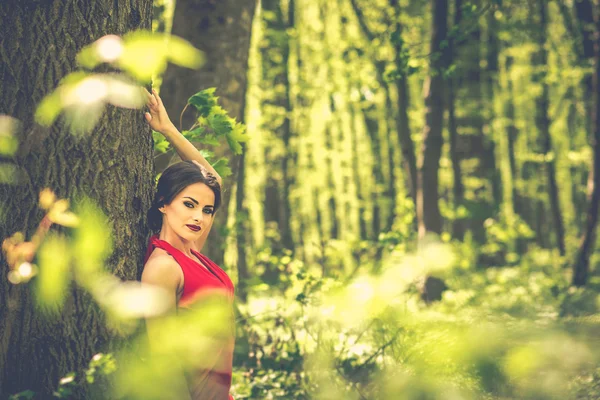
column 161, row 244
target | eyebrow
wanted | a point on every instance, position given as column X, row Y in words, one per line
column 195, row 201
column 192, row 199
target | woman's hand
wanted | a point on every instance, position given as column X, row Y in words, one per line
column 157, row 117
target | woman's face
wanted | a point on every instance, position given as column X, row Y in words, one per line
column 190, row 213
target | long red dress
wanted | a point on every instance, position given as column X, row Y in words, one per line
column 213, row 381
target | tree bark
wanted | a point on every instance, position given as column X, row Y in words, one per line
column 458, row 190
column 372, row 128
column 542, row 121
column 582, row 261
column 428, row 211
column 409, row 159
column 221, row 29
column 275, row 61
column 360, row 198
column 112, row 165
column 242, row 230
column 490, row 165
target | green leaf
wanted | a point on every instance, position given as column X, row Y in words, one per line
column 222, row 167
column 239, row 133
column 54, row 260
column 182, row 53
column 49, row 109
column 207, row 154
column 93, row 241
column 220, row 124
column 209, row 139
column 204, row 101
column 194, row 134
column 27, row 394
column 234, row 145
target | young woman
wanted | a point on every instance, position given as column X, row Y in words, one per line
column 187, row 197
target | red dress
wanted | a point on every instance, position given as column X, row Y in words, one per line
column 213, row 382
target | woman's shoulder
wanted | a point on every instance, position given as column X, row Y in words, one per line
column 162, row 269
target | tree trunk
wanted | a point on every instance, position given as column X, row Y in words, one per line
column 332, row 203
column 542, row 121
column 372, row 127
column 582, row 261
column 458, row 190
column 409, row 159
column 428, row 210
column 221, row 29
column 490, row 165
column 406, row 143
column 362, row 222
column 391, row 189
column 512, row 133
column 275, row 52
column 242, row 229
column 112, row 165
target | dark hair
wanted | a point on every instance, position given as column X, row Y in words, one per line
column 172, row 181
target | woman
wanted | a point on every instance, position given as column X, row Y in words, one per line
column 187, row 197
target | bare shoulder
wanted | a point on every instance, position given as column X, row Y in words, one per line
column 162, row 269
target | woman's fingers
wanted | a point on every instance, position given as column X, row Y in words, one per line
column 151, row 99
column 157, row 97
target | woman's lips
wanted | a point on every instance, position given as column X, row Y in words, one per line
column 193, row 228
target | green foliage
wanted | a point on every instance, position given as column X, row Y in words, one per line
column 212, row 126
column 138, row 56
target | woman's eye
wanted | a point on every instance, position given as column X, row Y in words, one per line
column 188, row 204
column 208, row 210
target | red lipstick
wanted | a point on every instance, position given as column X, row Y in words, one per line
column 194, row 228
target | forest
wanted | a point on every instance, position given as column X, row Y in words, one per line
column 411, row 191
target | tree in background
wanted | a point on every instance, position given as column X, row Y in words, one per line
column 582, row 261
column 428, row 210
column 221, row 29
column 112, row 165
column 542, row 122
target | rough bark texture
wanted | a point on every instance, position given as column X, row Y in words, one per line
column 221, row 29
column 112, row 165
column 542, row 121
column 428, row 210
column 582, row 261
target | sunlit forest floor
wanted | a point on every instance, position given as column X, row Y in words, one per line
column 502, row 332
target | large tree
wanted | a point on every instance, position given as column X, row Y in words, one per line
column 221, row 29
column 428, row 210
column 112, row 165
column 586, row 246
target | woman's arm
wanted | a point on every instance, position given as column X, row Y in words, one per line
column 159, row 120
column 163, row 272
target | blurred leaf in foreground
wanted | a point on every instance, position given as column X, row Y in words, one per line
column 54, row 276
column 142, row 54
column 8, row 142
column 82, row 98
column 92, row 241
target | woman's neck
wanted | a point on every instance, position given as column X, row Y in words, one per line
column 185, row 246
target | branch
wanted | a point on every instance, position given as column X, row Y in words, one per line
column 361, row 21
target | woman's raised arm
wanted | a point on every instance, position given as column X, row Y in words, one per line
column 159, row 120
